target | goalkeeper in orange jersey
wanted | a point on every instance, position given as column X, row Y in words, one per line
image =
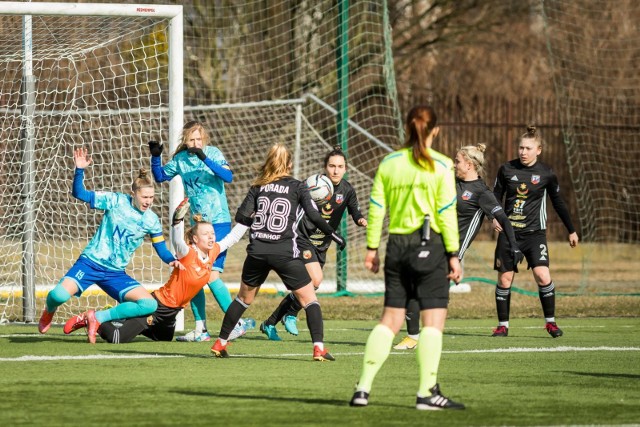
column 198, row 255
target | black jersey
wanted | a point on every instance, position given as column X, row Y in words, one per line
column 273, row 212
column 475, row 200
column 344, row 197
column 525, row 190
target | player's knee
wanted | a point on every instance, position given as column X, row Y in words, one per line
column 147, row 306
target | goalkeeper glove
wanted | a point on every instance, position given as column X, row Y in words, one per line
column 518, row 256
column 339, row 240
column 155, row 148
column 181, row 211
column 198, row 152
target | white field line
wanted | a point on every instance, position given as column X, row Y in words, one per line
column 562, row 349
column 448, row 328
column 29, row 358
column 492, row 350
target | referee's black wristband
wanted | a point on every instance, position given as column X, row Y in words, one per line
column 371, row 249
column 453, row 254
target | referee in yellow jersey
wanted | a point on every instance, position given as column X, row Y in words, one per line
column 417, row 186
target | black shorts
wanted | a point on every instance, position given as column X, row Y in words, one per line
column 413, row 271
column 158, row 326
column 310, row 253
column 291, row 271
column 532, row 245
column 163, row 323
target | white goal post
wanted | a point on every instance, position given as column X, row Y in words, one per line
column 106, row 76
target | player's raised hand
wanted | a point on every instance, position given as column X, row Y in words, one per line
column 155, row 148
column 181, row 211
column 81, row 158
column 198, row 152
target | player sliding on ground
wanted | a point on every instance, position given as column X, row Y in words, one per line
column 127, row 219
column 204, row 171
column 197, row 255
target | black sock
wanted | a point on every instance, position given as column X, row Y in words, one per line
column 231, row 318
column 282, row 309
column 295, row 306
column 413, row 317
column 503, row 301
column 314, row 321
column 548, row 299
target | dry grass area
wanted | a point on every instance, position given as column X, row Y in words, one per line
column 477, row 304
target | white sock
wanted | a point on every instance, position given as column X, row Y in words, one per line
column 550, row 319
column 504, row 324
column 320, row 345
column 415, row 337
column 201, row 326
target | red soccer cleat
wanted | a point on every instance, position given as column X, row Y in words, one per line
column 322, row 355
column 76, row 322
column 219, row 350
column 92, row 325
column 500, row 331
column 45, row 321
column 553, row 330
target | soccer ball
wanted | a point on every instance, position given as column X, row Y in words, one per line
column 320, row 188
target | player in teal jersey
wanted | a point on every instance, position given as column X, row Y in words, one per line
column 127, row 219
column 204, row 171
column 416, row 185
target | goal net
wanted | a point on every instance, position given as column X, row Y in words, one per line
column 595, row 54
column 255, row 73
column 69, row 81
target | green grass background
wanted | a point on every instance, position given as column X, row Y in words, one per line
column 268, row 383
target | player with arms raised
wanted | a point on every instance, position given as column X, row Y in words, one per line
column 204, row 171
column 126, row 221
column 197, row 257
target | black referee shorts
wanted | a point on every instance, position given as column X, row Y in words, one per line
column 414, row 271
column 533, row 246
column 291, row 271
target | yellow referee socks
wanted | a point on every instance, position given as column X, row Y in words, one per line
column 428, row 353
column 375, row 354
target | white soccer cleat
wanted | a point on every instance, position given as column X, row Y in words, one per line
column 194, row 336
column 238, row 331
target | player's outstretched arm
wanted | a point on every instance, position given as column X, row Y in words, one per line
column 155, row 149
column 81, row 159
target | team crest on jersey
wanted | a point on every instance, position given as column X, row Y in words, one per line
column 466, row 195
column 327, row 209
column 306, row 254
column 522, row 190
column 150, row 320
column 339, row 198
column 535, row 179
